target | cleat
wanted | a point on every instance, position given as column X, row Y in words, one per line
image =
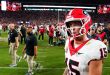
column 36, row 67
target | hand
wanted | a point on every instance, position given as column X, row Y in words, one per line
column 16, row 45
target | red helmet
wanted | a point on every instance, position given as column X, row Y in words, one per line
column 81, row 16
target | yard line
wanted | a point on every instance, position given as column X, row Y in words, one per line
column 39, row 61
column 42, row 56
column 39, row 68
column 41, row 52
column 27, row 68
column 13, row 68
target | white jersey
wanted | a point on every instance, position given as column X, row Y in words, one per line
column 77, row 62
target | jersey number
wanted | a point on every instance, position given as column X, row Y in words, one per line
column 103, row 53
column 73, row 70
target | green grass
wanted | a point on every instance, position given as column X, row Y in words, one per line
column 48, row 56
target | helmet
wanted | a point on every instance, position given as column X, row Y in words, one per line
column 81, row 16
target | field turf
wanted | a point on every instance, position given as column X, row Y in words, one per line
column 51, row 59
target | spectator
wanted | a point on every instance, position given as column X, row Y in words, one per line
column 41, row 32
column 92, row 33
column 23, row 33
column 102, row 34
column 107, row 31
column 51, row 33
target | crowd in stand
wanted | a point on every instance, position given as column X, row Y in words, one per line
column 44, row 17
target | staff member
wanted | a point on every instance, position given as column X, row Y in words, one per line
column 31, row 49
column 23, row 33
column 13, row 36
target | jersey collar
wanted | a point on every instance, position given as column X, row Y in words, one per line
column 74, row 50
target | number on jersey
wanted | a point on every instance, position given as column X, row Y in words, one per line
column 103, row 52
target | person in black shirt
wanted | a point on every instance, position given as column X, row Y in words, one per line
column 23, row 33
column 13, row 37
column 30, row 49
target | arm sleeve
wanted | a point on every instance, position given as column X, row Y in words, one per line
column 16, row 33
column 99, row 51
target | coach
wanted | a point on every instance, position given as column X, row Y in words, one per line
column 13, row 37
column 30, row 49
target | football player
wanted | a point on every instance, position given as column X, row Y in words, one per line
column 83, row 56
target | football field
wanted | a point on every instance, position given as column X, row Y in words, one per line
column 51, row 59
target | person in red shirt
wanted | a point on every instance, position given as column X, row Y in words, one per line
column 41, row 32
column 102, row 34
column 51, row 33
column 92, row 33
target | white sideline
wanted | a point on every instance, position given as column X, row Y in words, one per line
column 42, row 52
column 39, row 68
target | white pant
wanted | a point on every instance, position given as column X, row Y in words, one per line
column 13, row 53
column 31, row 63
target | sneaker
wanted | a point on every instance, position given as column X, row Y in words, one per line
column 13, row 65
column 29, row 73
column 36, row 67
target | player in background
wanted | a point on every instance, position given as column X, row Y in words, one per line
column 14, row 44
column 83, row 56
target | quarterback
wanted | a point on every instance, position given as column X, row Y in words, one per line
column 83, row 56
